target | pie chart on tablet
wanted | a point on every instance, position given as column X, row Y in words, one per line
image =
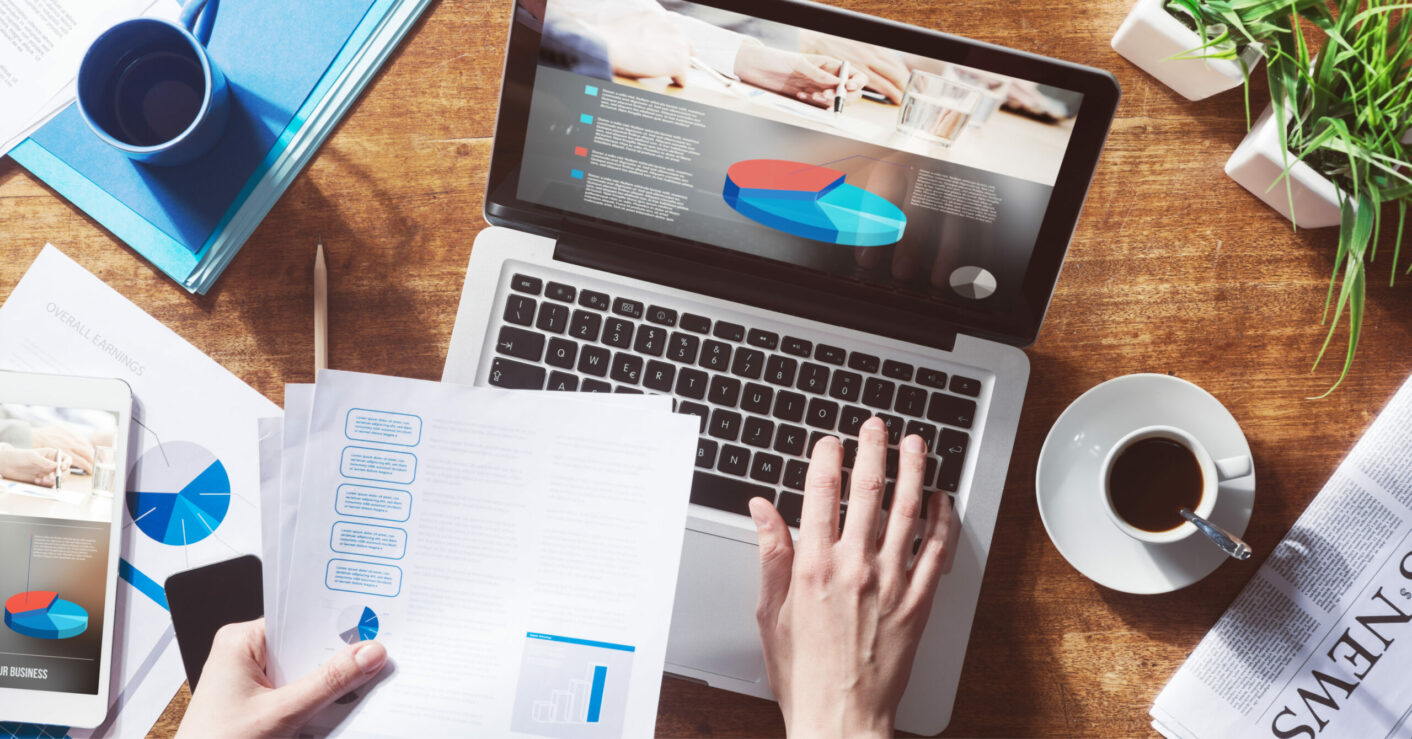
column 811, row 201
column 42, row 614
column 179, row 493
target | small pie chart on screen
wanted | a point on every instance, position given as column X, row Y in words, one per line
column 357, row 623
column 179, row 493
column 973, row 282
column 42, row 614
column 811, row 201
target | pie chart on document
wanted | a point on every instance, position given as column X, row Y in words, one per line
column 179, row 493
column 357, row 623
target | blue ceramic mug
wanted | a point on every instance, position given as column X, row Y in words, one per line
column 148, row 87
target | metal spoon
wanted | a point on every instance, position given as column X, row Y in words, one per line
column 1228, row 542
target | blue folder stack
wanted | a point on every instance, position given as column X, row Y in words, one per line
column 294, row 69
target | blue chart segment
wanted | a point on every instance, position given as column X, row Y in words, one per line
column 357, row 624
column 811, row 201
column 44, row 615
column 570, row 687
column 179, row 494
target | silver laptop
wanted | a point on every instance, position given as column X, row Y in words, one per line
column 677, row 208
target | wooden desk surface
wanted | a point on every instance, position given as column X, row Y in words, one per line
column 1174, row 269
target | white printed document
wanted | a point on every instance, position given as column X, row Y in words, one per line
column 516, row 552
column 1318, row 645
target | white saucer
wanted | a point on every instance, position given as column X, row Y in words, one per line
column 1071, row 504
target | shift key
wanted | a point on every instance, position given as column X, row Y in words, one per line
column 726, row 493
column 516, row 375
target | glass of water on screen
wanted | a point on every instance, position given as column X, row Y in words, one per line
column 936, row 109
column 105, row 472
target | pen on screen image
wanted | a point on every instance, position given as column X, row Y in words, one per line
column 842, row 88
column 719, row 76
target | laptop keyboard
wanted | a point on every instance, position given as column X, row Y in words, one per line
column 762, row 397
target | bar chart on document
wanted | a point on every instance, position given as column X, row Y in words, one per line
column 570, row 687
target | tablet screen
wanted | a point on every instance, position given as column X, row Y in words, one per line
column 58, row 476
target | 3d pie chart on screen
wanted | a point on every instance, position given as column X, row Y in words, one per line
column 811, row 201
column 973, row 282
column 357, row 624
column 42, row 614
column 179, row 493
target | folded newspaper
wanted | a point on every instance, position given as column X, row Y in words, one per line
column 1319, row 643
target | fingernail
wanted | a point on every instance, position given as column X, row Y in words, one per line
column 913, row 444
column 370, row 656
column 876, row 423
column 755, row 513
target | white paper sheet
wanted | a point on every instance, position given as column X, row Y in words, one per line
column 516, row 552
column 298, row 402
column 271, row 436
column 190, row 417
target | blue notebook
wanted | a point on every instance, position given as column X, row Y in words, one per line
column 281, row 59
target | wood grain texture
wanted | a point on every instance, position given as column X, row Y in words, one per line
column 1173, row 269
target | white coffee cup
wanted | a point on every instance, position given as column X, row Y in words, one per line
column 1213, row 473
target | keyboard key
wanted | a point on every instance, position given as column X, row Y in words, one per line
column 813, row 378
column 562, row 353
column 591, row 385
column 930, row 473
column 519, row 343
column 791, row 505
column 780, row 370
column 878, row 393
column 594, row 300
column 659, row 376
column 585, row 325
column 852, row 419
column 735, row 460
column 762, row 339
column 846, row 385
column 757, row 432
column 863, row 362
column 850, row 454
column 790, row 440
column 682, row 347
column 789, row 406
column 757, row 398
column 651, row 340
column 951, row 410
column 894, row 427
column 748, row 363
column 519, row 310
column 830, row 354
column 692, row 383
column 794, row 474
column 893, row 457
column 965, row 386
column 924, row 430
column 705, row 453
column 911, row 401
column 716, row 355
column 695, row 324
column 932, row 378
column 526, row 284
column 627, row 368
column 617, row 332
column 897, row 370
column 823, row 414
column 625, row 390
column 724, row 425
column 766, row 468
column 629, row 308
column 814, row 439
column 505, row 373
column 560, row 291
column 728, row 331
column 797, row 347
column 952, row 448
column 594, row 360
column 700, row 411
column 553, row 318
column 662, row 316
column 726, row 494
column 724, row 391
column 563, row 381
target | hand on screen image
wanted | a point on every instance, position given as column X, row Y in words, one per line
column 235, row 698
column 647, row 44
column 34, row 466
column 887, row 74
column 810, row 78
column 78, row 449
column 840, row 615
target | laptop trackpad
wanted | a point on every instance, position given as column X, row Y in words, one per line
column 713, row 621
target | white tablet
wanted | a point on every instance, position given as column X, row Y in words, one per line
column 63, row 469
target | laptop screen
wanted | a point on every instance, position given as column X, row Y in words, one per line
column 923, row 176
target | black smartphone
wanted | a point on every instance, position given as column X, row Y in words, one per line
column 204, row 599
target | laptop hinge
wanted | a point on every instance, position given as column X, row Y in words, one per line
column 755, row 290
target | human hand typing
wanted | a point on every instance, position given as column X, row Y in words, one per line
column 236, row 699
column 840, row 616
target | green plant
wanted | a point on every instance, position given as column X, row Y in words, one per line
column 1345, row 112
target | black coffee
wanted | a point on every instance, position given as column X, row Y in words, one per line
column 156, row 95
column 1151, row 481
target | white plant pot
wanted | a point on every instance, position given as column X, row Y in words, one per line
column 1150, row 37
column 1258, row 162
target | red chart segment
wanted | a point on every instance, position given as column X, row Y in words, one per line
column 811, row 201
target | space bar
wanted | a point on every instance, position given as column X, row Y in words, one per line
column 727, row 494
